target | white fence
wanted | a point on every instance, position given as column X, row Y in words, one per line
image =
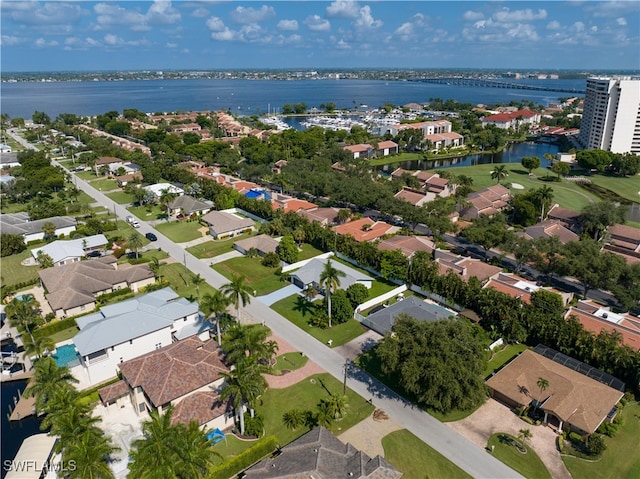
column 300, row 264
column 380, row 299
column 245, row 213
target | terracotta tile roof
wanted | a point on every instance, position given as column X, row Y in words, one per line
column 626, row 233
column 510, row 290
column 376, row 229
column 463, row 266
column 322, row 215
column 387, row 144
column 263, row 243
column 113, row 391
column 292, row 204
column 407, row 244
column 571, row 396
column 106, row 160
column 548, row 228
column 596, row 318
column 201, row 406
column 563, row 214
column 412, row 196
column 359, row 148
column 175, row 370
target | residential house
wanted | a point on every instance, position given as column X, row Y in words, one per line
column 361, row 150
column 568, row 218
column 487, row 201
column 520, row 288
column 20, row 224
column 278, row 165
column 549, row 228
column 383, row 318
column 571, row 400
column 463, row 266
column 414, row 196
column 5, row 148
column 324, row 216
column 71, row 251
column 189, row 205
column 365, row 229
column 597, row 318
column 513, row 119
column 159, row 188
column 108, row 161
column 8, row 160
column 309, row 274
column 186, row 374
column 262, row 244
column 624, row 241
column 124, row 180
column 430, row 182
column 123, row 331
column 287, row 203
column 386, row 148
column 73, row 288
column 226, row 225
column 319, row 454
column 186, row 128
column 426, row 127
column 409, row 245
column 440, row 141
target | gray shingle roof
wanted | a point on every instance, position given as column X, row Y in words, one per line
column 121, row 322
column 189, row 204
column 310, row 273
column 75, row 248
column 263, row 243
column 18, row 223
column 319, row 454
column 222, row 222
column 382, row 321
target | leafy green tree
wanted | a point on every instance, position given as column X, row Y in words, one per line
column 626, row 164
column 197, row 280
column 597, row 217
column 548, row 253
column 41, row 118
column 560, row 168
column 49, row 229
column 166, row 198
column 249, row 341
column 287, row 250
column 523, row 211
column 522, row 250
column 439, row 363
column 544, row 195
column 357, row 294
column 499, row 173
column 238, row 291
column 594, row 159
column 488, row 232
column 11, row 244
column 596, row 444
column 330, row 282
column 393, row 265
column 214, row 305
column 341, row 308
column 627, row 287
column 530, row 163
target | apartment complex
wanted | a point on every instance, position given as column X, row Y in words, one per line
column 611, row 117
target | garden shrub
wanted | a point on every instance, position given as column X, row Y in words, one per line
column 246, row 458
column 575, row 438
column 271, row 260
column 254, row 426
column 595, row 444
column 54, row 327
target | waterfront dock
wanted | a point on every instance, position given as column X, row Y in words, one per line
column 22, row 407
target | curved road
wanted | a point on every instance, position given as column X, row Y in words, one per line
column 462, row 452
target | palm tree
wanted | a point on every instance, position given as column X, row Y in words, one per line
column 196, row 452
column 197, row 280
column 249, row 341
column 154, row 265
column 48, row 377
column 330, row 282
column 23, row 312
column 338, row 405
column 544, row 196
column 37, row 346
column 213, row 305
column 155, row 456
column 524, row 435
column 543, row 384
column 324, row 415
column 166, row 198
column 293, row 419
column 89, row 452
column 243, row 384
column 499, row 173
column 237, row 290
column 135, row 242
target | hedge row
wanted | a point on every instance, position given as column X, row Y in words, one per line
column 18, row 286
column 246, row 458
column 113, row 294
column 54, row 327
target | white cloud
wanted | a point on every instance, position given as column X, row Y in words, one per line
column 288, row 25
column 409, row 31
column 111, row 14
column 51, row 13
column 215, row 24
column 317, row 24
column 523, row 32
column 366, row 20
column 10, row 40
column 472, row 16
column 162, row 13
column 554, row 25
column 171, row 45
column 612, row 8
column 621, row 21
column 42, row 43
column 112, row 40
column 343, row 9
column 252, row 15
column 508, row 16
column 200, row 13
column 342, row 45
column 224, row 35
column 159, row 13
column 578, row 27
column 92, row 42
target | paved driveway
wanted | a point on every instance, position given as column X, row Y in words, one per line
column 359, row 345
column 276, row 296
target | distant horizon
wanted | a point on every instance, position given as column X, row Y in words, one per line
column 123, row 35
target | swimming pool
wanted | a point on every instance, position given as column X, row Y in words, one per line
column 66, row 356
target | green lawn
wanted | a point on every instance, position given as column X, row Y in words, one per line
column 308, row 252
column 231, row 446
column 417, row 460
column 628, row 188
column 124, row 231
column 289, row 362
column 502, row 357
column 121, row 197
column 64, row 334
column 13, row 272
column 146, row 256
column 212, row 248
column 180, row 231
column 566, row 194
column 296, row 309
column 147, row 212
column 180, row 280
column 104, row 185
column 622, row 457
column 8, row 207
column 86, row 175
column 259, row 278
column 306, row 395
column 529, row 464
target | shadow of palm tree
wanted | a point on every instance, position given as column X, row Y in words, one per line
column 303, row 306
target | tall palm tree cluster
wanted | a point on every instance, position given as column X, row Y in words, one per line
column 329, row 409
column 24, row 314
column 84, row 447
column 170, row 451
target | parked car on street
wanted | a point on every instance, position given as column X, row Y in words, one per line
column 151, row 237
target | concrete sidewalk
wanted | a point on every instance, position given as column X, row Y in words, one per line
column 223, row 257
column 276, row 296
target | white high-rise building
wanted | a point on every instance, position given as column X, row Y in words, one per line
column 611, row 116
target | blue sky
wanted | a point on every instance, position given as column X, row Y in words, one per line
column 185, row 34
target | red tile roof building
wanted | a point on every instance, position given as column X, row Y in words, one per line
column 365, row 229
column 513, row 119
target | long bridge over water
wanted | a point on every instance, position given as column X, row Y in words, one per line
column 490, row 83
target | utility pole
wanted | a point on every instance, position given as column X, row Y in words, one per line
column 344, row 384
